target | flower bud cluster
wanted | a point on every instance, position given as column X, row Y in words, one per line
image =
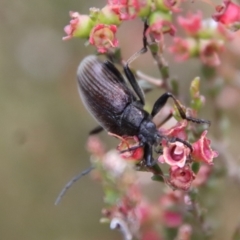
column 100, row 26
column 126, row 208
column 205, row 40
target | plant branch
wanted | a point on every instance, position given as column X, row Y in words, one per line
column 161, row 63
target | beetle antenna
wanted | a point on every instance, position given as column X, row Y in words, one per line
column 71, row 182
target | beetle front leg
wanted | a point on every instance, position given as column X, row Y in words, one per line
column 158, row 105
column 129, row 74
column 148, row 155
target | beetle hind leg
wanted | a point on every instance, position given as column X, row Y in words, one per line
column 96, row 130
column 158, row 105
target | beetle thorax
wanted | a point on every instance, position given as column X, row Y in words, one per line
column 148, row 132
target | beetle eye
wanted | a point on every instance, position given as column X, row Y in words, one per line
column 151, row 126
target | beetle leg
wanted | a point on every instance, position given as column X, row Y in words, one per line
column 132, row 148
column 158, row 105
column 96, row 130
column 129, row 74
column 148, row 155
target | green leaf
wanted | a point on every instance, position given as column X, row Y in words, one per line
column 157, row 178
column 111, row 197
column 194, row 88
column 208, row 72
column 153, row 48
column 175, row 87
column 195, row 167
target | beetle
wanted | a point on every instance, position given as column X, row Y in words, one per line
column 116, row 108
column 119, row 109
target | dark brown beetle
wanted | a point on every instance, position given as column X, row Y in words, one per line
column 118, row 109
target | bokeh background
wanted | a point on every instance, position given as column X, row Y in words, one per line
column 44, row 126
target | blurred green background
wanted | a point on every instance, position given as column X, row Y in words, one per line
column 44, row 126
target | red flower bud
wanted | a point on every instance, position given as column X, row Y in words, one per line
column 177, row 131
column 181, row 178
column 126, row 9
column 202, row 150
column 228, row 13
column 171, row 198
column 128, row 142
column 108, row 16
column 151, row 235
column 183, row 49
column 103, row 37
column 172, row 219
column 80, row 26
column 159, row 24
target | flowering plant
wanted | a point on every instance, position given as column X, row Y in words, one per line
column 188, row 167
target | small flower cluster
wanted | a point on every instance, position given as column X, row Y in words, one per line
column 184, row 147
column 126, row 207
column 205, row 40
column 100, row 26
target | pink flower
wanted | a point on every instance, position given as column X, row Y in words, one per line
column 144, row 212
column 202, row 150
column 95, row 146
column 177, row 131
column 185, row 232
column 182, row 48
column 103, row 37
column 160, row 27
column 128, row 142
column 172, row 5
column 171, row 198
column 150, row 235
column 172, row 219
column 114, row 164
column 80, row 26
column 228, row 13
column 181, row 178
column 192, row 23
column 174, row 154
column 209, row 52
column 126, row 9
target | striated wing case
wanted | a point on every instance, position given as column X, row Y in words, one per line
column 103, row 92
